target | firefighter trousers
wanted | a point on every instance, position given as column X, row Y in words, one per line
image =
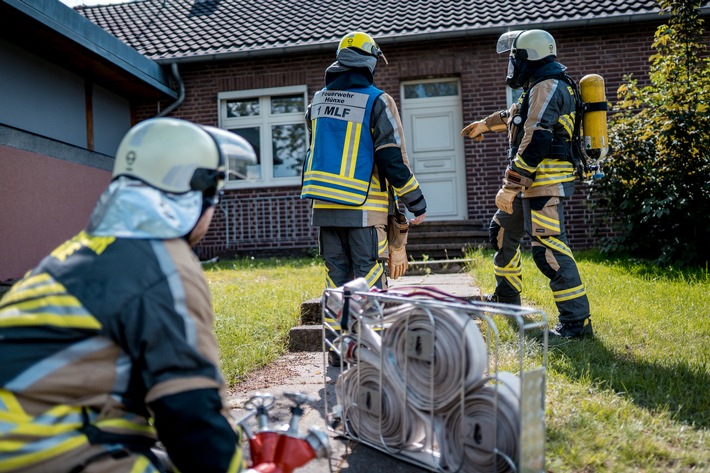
column 542, row 219
column 353, row 252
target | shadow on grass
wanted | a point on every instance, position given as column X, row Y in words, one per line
column 675, row 387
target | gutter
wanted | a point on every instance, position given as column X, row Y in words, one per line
column 398, row 39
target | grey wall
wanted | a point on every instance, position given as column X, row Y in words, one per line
column 112, row 119
column 42, row 98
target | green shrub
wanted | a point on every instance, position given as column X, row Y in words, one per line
column 656, row 187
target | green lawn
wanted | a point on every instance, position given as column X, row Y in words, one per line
column 636, row 398
column 257, row 302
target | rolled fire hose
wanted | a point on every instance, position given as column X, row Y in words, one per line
column 435, row 352
column 483, row 436
column 373, row 409
column 469, row 413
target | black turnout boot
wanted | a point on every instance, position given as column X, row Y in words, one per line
column 503, row 300
column 579, row 329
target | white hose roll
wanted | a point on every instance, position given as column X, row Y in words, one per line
column 377, row 415
column 490, row 423
column 436, row 352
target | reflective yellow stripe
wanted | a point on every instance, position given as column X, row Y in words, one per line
column 313, row 140
column 237, row 463
column 10, row 318
column 555, row 244
column 553, row 171
column 60, row 419
column 520, row 164
column 355, row 184
column 346, row 159
column 355, row 149
column 11, row 409
column 411, row 185
column 125, row 424
column 142, row 465
column 324, row 192
column 58, row 300
column 545, row 222
column 33, row 287
column 334, row 324
column 376, row 201
column 97, row 244
column 375, row 274
column 382, row 246
column 11, row 463
column 512, row 272
column 568, row 294
column 567, row 122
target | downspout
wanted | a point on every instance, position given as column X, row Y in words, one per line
column 181, row 95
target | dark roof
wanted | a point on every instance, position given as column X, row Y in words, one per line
column 189, row 30
column 56, row 32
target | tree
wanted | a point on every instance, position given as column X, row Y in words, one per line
column 656, row 186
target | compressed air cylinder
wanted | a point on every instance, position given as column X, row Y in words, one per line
column 594, row 129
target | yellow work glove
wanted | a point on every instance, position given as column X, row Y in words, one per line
column 494, row 122
column 513, row 184
column 397, row 230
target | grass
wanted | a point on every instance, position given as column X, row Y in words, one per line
column 257, row 302
column 637, row 396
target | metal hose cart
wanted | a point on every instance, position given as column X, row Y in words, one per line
column 422, row 378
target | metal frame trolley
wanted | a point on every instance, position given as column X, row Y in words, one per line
column 443, row 383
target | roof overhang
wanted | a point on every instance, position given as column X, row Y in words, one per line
column 60, row 35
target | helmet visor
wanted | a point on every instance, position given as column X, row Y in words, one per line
column 234, row 151
column 506, row 41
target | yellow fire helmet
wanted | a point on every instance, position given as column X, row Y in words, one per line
column 361, row 42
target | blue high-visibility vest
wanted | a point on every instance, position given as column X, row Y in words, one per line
column 341, row 157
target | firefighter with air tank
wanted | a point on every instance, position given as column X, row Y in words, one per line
column 546, row 152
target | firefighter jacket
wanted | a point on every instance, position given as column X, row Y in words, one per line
column 356, row 154
column 541, row 128
column 105, row 334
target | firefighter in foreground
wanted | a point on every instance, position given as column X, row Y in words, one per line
column 357, row 170
column 539, row 176
column 107, row 343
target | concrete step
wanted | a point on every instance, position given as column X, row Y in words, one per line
column 445, row 239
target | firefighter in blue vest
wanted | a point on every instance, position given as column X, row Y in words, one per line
column 539, row 177
column 357, row 169
column 107, row 344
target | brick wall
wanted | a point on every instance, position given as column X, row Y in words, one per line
column 610, row 51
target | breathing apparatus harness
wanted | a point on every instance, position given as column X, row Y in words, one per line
column 571, row 151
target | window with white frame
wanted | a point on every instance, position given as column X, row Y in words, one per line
column 272, row 120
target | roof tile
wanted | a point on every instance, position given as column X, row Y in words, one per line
column 163, row 29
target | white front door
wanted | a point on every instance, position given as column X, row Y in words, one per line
column 431, row 116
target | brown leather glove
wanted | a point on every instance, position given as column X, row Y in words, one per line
column 505, row 197
column 397, row 230
column 494, row 122
column 397, row 262
column 513, row 184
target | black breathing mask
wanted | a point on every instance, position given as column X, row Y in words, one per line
column 518, row 69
